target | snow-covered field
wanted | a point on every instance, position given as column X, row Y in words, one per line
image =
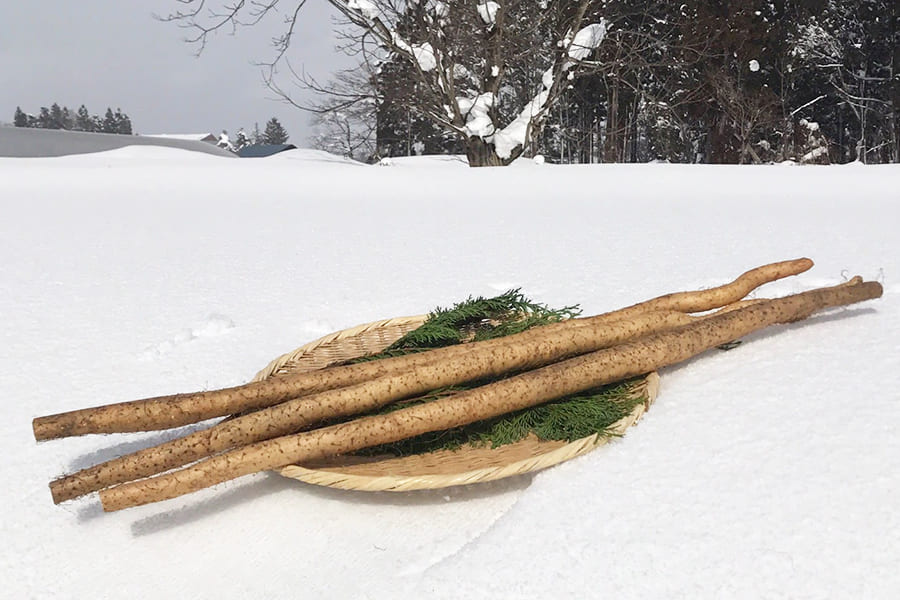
column 771, row 471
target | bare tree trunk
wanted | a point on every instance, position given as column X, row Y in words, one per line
column 895, row 85
column 610, row 151
column 896, row 133
column 633, row 128
column 482, row 154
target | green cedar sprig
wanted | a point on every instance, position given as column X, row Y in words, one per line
column 568, row 418
column 481, row 318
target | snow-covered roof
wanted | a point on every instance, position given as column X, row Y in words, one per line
column 263, row 150
column 23, row 142
column 202, row 137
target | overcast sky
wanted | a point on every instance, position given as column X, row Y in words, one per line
column 112, row 53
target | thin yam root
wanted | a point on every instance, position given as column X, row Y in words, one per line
column 515, row 393
column 296, row 415
column 166, row 412
column 723, row 295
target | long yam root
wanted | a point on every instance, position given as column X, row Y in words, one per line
column 723, row 295
column 515, row 393
column 182, row 409
column 295, row 415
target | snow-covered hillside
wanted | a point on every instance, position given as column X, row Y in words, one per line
column 770, row 471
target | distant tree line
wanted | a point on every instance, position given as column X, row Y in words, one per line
column 809, row 81
column 274, row 134
column 57, row 117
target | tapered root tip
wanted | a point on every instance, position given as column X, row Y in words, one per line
column 805, row 264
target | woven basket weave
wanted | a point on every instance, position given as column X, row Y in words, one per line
column 432, row 470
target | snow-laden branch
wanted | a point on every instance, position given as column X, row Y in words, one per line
column 517, row 133
column 475, row 113
column 808, row 104
column 488, row 12
column 587, row 40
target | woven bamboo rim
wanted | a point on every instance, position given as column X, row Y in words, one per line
column 432, row 470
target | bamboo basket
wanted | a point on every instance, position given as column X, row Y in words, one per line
column 432, row 470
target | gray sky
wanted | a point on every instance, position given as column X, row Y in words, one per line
column 112, row 53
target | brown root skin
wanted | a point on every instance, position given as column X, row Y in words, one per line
column 723, row 295
column 521, row 391
column 295, row 415
column 166, row 412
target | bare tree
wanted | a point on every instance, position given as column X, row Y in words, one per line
column 345, row 113
column 466, row 57
column 749, row 113
column 855, row 53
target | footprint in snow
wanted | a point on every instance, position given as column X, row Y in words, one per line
column 214, row 325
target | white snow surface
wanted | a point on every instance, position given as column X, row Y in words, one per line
column 769, row 471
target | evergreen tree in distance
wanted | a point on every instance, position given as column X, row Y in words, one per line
column 61, row 117
column 43, row 120
column 83, row 120
column 20, row 119
column 67, row 121
column 122, row 122
column 275, row 133
column 56, row 117
column 109, row 123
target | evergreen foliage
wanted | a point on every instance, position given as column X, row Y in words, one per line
column 568, row 418
column 275, row 133
column 61, row 117
column 242, row 139
column 109, row 124
column 481, row 318
column 83, row 119
column 56, row 120
column 122, row 122
column 44, row 120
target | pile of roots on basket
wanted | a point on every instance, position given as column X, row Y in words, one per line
column 487, row 371
column 476, row 319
